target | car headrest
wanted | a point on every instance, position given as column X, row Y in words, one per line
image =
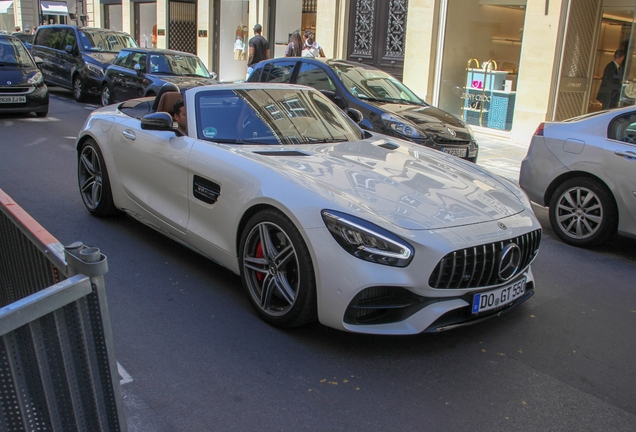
column 167, row 101
column 167, row 87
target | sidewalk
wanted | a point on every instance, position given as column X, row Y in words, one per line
column 500, row 155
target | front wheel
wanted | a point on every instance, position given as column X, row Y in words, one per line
column 94, row 183
column 106, row 95
column 583, row 212
column 277, row 270
column 79, row 93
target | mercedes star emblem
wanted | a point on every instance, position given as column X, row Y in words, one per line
column 502, row 226
column 509, row 262
column 9, row 82
column 451, row 131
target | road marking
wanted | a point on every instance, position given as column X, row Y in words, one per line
column 125, row 376
column 40, row 119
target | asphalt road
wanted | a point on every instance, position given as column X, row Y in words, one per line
column 201, row 360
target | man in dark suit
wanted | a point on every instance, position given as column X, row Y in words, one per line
column 610, row 90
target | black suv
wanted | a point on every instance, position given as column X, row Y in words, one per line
column 387, row 105
column 76, row 57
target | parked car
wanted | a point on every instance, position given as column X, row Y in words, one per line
column 584, row 170
column 76, row 57
column 387, row 105
column 366, row 233
column 22, row 88
column 140, row 72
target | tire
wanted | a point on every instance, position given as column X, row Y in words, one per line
column 79, row 94
column 93, row 181
column 106, row 95
column 583, row 212
column 277, row 274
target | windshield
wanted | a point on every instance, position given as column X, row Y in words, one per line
column 98, row 41
column 13, row 53
column 180, row 65
column 271, row 116
column 374, row 84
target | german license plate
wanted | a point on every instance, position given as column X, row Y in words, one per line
column 455, row 152
column 498, row 297
column 12, row 99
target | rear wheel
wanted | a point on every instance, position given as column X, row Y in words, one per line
column 93, row 180
column 79, row 93
column 583, row 212
column 106, row 95
column 277, row 270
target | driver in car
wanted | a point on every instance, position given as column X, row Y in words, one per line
column 6, row 54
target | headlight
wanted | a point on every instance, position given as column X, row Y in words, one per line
column 367, row 241
column 403, row 127
column 35, row 79
column 95, row 69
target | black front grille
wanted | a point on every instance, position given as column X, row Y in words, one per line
column 442, row 140
column 477, row 266
column 14, row 90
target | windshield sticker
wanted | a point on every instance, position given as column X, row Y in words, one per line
column 209, row 132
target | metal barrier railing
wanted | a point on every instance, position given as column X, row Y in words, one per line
column 58, row 370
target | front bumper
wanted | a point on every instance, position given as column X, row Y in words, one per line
column 37, row 99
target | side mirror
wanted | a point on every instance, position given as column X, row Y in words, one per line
column 213, row 75
column 355, row 115
column 158, row 121
column 38, row 61
column 137, row 68
column 69, row 49
column 333, row 96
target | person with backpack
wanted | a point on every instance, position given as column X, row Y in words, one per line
column 312, row 48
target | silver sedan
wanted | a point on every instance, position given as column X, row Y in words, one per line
column 584, row 170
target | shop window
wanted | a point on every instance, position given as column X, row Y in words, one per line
column 480, row 61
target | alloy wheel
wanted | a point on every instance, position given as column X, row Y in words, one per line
column 78, row 92
column 579, row 212
column 271, row 269
column 105, row 96
column 90, row 177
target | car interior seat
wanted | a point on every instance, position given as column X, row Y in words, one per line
column 167, row 101
column 166, row 88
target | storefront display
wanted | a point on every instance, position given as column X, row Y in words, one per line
column 480, row 62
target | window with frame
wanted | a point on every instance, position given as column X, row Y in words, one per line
column 623, row 128
column 315, row 76
column 279, row 72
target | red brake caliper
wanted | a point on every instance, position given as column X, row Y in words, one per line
column 259, row 254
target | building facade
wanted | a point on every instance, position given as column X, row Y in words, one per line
column 501, row 65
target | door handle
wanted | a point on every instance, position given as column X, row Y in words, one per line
column 627, row 154
column 129, row 135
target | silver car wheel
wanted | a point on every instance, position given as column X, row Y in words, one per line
column 271, row 269
column 78, row 89
column 90, row 177
column 579, row 212
column 105, row 95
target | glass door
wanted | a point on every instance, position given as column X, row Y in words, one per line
column 614, row 74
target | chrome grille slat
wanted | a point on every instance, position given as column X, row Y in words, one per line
column 450, row 271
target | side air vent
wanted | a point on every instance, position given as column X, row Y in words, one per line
column 281, row 153
column 389, row 146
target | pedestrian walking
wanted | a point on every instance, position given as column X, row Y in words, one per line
column 295, row 45
column 259, row 49
column 312, row 48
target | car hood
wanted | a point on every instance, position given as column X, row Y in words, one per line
column 428, row 119
column 395, row 182
column 104, row 58
column 14, row 76
column 187, row 82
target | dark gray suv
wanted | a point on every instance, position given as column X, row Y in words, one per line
column 76, row 57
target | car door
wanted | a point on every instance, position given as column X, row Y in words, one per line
column 134, row 75
column 152, row 167
column 620, row 166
